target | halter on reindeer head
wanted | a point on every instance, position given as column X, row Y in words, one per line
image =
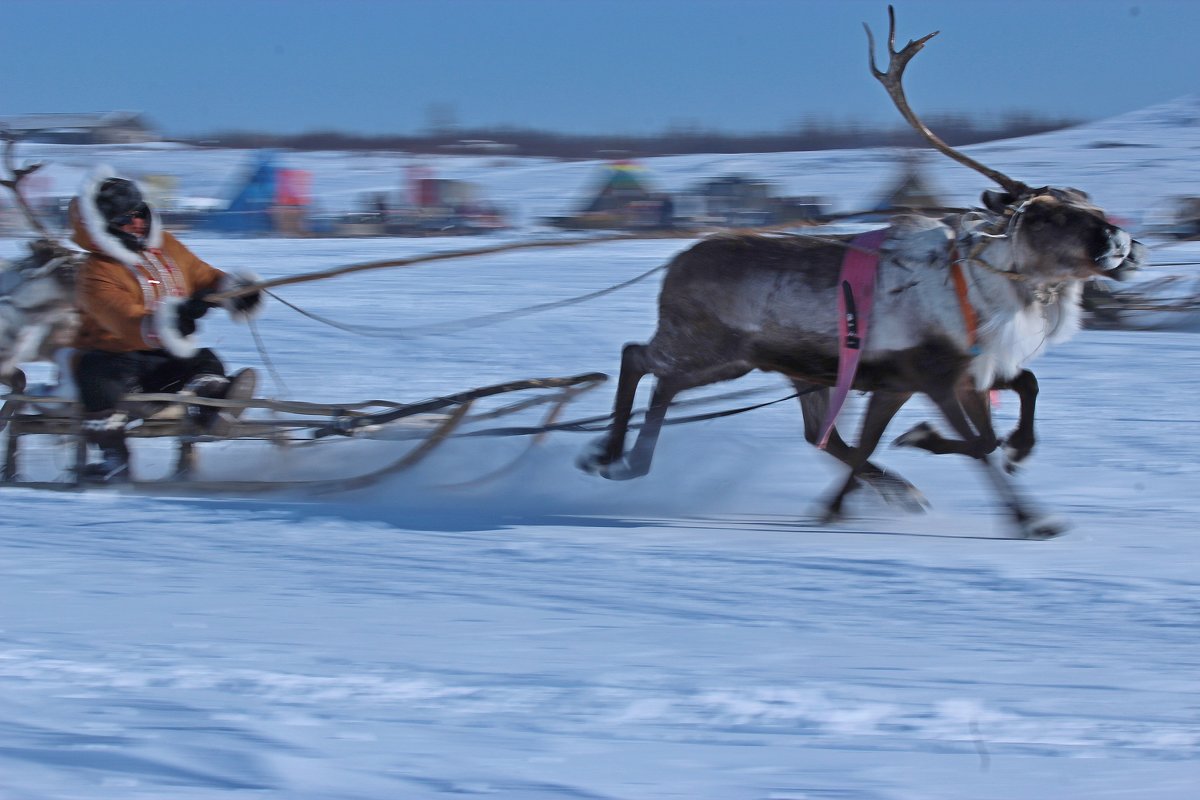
column 1056, row 234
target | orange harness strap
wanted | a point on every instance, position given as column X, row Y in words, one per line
column 968, row 311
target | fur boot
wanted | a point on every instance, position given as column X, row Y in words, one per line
column 106, row 430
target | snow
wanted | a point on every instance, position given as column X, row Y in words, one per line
column 546, row 634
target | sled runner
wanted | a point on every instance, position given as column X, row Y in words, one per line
column 422, row 425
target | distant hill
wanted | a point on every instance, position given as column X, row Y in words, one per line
column 955, row 129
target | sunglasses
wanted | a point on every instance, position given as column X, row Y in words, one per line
column 140, row 212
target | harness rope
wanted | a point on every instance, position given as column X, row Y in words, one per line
column 266, row 358
column 469, row 323
column 503, row 248
column 430, row 257
column 591, row 424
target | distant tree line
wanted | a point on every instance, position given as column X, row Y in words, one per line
column 955, row 129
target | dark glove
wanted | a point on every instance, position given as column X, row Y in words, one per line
column 189, row 311
column 245, row 303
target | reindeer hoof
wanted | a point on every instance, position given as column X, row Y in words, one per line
column 613, row 470
column 1046, row 527
column 590, row 463
column 1015, row 454
column 830, row 517
column 914, row 437
column 593, row 461
column 592, row 457
column 896, row 491
column 1014, row 458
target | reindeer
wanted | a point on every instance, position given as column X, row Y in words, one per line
column 37, row 293
column 735, row 303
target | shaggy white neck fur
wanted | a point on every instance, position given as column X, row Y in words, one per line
column 1015, row 326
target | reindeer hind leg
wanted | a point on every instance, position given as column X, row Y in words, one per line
column 637, row 462
column 610, row 448
column 607, row 456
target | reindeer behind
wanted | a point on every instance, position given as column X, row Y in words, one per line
column 37, row 293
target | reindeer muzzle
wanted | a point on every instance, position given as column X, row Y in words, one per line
column 1132, row 262
column 1124, row 255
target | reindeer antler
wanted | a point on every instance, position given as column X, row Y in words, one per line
column 13, row 183
column 892, row 80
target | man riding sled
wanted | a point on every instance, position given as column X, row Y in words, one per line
column 140, row 293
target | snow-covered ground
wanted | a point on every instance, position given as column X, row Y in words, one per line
column 545, row 634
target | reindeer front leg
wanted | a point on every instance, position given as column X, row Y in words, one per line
column 881, row 408
column 892, row 487
column 982, row 440
column 1030, row 524
column 1019, row 444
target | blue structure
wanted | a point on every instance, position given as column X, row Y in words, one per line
column 250, row 209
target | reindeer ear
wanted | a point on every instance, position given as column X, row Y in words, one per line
column 997, row 201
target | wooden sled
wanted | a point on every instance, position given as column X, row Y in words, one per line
column 425, row 424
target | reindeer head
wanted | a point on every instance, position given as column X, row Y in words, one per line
column 1059, row 234
column 1055, row 234
column 50, row 262
column 37, row 293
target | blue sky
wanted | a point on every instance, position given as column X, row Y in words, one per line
column 583, row 66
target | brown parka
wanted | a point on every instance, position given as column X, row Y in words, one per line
column 119, row 289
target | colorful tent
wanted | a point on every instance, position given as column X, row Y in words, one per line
column 622, row 183
column 263, row 197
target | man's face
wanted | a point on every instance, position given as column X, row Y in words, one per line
column 137, row 226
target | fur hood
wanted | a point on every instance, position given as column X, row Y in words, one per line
column 128, row 299
column 90, row 231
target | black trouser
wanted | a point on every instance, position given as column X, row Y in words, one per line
column 104, row 378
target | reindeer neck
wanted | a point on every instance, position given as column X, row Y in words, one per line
column 1018, row 317
column 989, row 285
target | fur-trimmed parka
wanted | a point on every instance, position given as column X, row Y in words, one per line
column 127, row 298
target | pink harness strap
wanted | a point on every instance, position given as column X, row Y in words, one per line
column 854, row 311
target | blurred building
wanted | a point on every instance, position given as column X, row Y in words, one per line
column 111, row 127
column 911, row 190
column 739, row 201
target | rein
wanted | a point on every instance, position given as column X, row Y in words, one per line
column 483, row 320
column 407, row 262
column 469, row 322
column 598, row 424
column 503, row 248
